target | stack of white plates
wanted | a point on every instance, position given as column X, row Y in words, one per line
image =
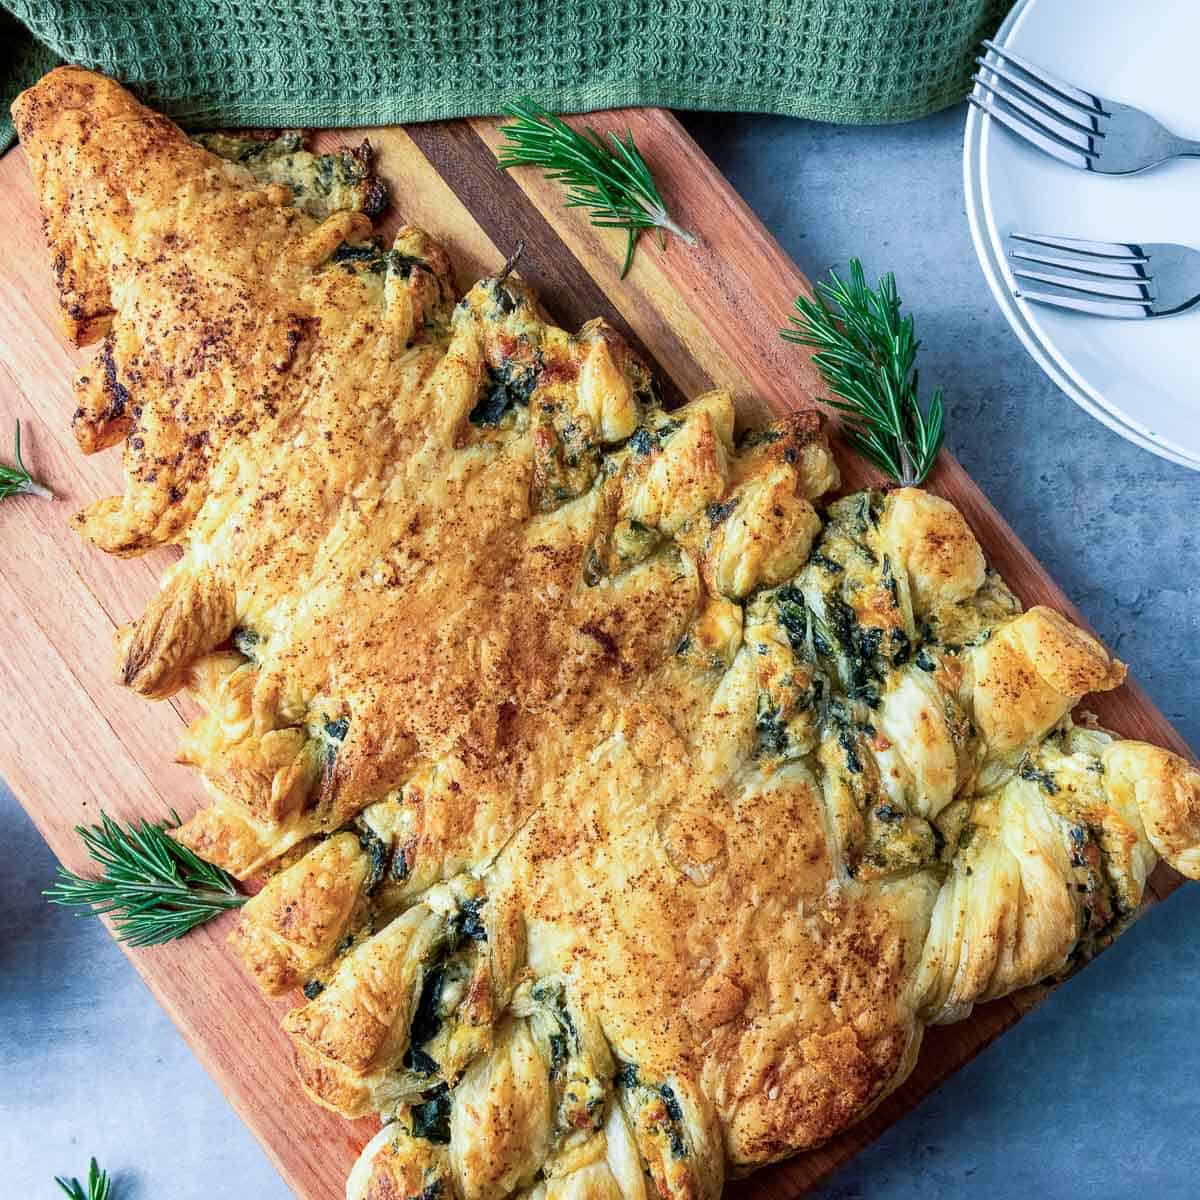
column 1141, row 378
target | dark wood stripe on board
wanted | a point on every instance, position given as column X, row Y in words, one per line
column 508, row 216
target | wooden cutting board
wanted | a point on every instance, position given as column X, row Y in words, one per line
column 72, row 741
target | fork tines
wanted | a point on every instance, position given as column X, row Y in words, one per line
column 1064, row 121
column 1105, row 278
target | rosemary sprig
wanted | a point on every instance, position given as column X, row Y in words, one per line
column 17, row 481
column 866, row 352
column 98, row 1184
column 611, row 180
column 155, row 888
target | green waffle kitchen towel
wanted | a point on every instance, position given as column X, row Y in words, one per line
column 372, row 62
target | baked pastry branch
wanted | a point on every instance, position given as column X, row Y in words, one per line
column 629, row 806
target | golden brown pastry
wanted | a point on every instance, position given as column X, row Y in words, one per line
column 634, row 813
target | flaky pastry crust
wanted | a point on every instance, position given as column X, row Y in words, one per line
column 630, row 813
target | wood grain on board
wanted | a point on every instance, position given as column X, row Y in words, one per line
column 704, row 316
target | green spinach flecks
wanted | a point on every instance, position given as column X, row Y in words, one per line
column 675, row 1113
column 772, row 729
column 554, row 995
column 558, row 1054
column 431, row 1118
column 866, row 513
column 646, row 439
column 666, row 1119
column 245, row 641
column 642, row 443
column 626, row 1075
column 829, row 565
column 377, row 856
column 822, row 639
column 370, row 257
column 361, row 252
column 847, row 737
column 716, row 513
column 467, row 922
column 889, row 581
column 859, row 646
column 334, row 735
column 667, row 1092
column 792, row 611
column 313, row 988
column 849, row 744
column 1043, row 779
column 405, row 264
column 420, row 1063
column 400, row 867
column 758, row 437
column 593, row 569
column 507, row 386
column 504, row 300
column 246, row 149
column 427, row 1020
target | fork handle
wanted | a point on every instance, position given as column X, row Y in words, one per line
column 1184, row 148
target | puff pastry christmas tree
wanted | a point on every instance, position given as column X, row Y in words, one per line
column 628, row 816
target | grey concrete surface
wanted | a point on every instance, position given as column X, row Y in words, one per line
column 1097, row 1094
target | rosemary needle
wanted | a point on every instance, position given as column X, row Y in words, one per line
column 98, row 1184
column 17, row 481
column 610, row 179
column 866, row 353
column 155, row 889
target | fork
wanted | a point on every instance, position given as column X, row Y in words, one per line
column 1078, row 128
column 1130, row 280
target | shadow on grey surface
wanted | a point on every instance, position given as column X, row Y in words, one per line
column 92, row 1065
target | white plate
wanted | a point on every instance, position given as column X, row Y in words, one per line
column 1141, row 378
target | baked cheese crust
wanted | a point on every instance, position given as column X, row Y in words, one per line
column 629, row 811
